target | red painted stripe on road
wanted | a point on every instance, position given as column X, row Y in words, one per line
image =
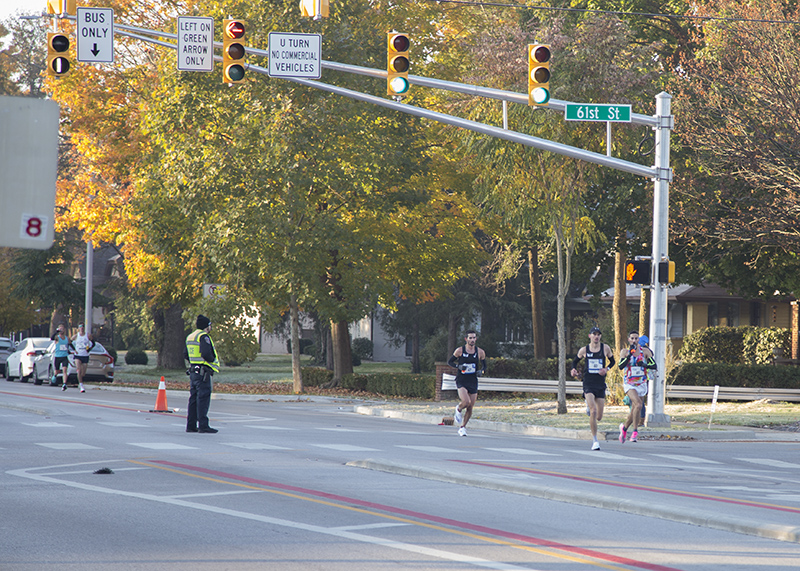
column 667, row 491
column 425, row 517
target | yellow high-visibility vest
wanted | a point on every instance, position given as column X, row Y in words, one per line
column 193, row 348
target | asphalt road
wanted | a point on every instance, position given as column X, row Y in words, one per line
column 300, row 483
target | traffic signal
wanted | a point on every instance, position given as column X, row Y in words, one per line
column 58, row 63
column 666, row 272
column 310, row 8
column 637, row 272
column 397, row 63
column 62, row 6
column 233, row 51
column 538, row 74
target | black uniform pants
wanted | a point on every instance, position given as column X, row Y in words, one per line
column 199, row 397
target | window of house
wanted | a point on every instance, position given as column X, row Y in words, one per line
column 713, row 314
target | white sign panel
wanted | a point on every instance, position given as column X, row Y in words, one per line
column 28, row 168
column 195, row 43
column 95, row 33
column 295, row 55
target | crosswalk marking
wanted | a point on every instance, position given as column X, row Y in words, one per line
column 430, row 448
column 605, row 455
column 346, row 448
column 522, row 451
column 255, row 446
column 769, row 462
column 162, row 446
column 338, row 429
column 688, row 459
column 125, row 424
column 67, row 446
column 47, row 425
column 271, row 427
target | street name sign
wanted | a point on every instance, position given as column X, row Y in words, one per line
column 597, row 112
column 28, row 169
column 95, row 33
column 195, row 43
column 295, row 55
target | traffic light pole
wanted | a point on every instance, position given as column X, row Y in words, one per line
column 658, row 294
column 661, row 173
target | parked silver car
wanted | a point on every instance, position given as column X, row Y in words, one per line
column 19, row 364
column 6, row 348
column 100, row 367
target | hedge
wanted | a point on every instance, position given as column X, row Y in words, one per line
column 730, row 375
column 389, row 384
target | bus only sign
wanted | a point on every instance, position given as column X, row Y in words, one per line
column 597, row 112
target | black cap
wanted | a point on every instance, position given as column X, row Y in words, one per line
column 203, row 322
column 595, row 330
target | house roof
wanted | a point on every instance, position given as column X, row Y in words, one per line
column 681, row 293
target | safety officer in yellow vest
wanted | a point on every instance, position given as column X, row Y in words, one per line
column 203, row 363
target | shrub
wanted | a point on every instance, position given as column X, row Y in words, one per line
column 735, row 345
column 112, row 352
column 136, row 357
column 735, row 375
column 392, row 384
column 363, row 348
column 315, row 376
column 522, row 368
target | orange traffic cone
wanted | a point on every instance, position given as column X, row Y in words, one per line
column 161, row 398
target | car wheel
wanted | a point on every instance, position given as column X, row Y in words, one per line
column 35, row 374
column 22, row 378
column 53, row 383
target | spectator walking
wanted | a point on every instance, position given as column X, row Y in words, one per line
column 469, row 360
column 596, row 354
column 203, row 363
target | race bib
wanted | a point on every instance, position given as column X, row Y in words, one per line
column 468, row 368
column 637, row 372
column 595, row 365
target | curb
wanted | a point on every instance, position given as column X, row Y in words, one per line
column 697, row 517
column 551, row 432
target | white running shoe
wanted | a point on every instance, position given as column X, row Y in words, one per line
column 462, row 431
column 622, row 433
column 64, row 387
column 596, row 445
column 83, row 390
column 457, row 416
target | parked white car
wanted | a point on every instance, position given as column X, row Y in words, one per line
column 19, row 364
column 100, row 367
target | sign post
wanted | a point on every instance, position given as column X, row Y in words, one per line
column 195, row 43
column 95, row 33
column 295, row 55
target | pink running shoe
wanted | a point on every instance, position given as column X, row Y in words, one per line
column 635, row 436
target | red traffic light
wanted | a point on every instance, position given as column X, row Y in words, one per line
column 234, row 29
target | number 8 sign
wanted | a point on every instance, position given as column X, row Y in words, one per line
column 34, row 227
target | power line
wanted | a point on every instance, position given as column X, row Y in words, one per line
column 613, row 12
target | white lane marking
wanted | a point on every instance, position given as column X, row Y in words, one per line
column 338, row 429
column 67, row 446
column 687, row 459
column 605, row 455
column 432, row 449
column 124, row 424
column 66, row 473
column 271, row 427
column 47, row 425
column 209, row 494
column 255, row 446
column 344, row 534
column 521, row 451
column 346, row 448
column 369, row 526
column 246, row 419
column 162, row 446
column 770, row 462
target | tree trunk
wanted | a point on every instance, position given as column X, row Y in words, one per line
column 297, row 378
column 342, row 354
column 415, row 364
column 563, row 289
column 537, row 322
column 620, row 307
column 172, row 337
column 328, row 348
column 452, row 332
column 644, row 312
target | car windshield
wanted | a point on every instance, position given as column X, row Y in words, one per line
column 99, row 349
column 5, row 344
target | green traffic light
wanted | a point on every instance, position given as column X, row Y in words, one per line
column 399, row 85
